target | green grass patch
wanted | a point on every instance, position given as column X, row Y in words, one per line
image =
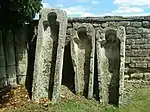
column 140, row 103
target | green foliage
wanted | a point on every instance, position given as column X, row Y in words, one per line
column 17, row 12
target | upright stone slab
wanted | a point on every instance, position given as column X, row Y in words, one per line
column 3, row 78
column 110, row 45
column 10, row 58
column 49, row 54
column 82, row 53
column 21, row 54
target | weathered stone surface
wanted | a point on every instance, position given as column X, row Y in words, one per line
column 110, row 62
column 128, row 47
column 148, row 40
column 131, row 30
column 127, row 60
column 133, row 36
column 10, row 58
column 21, row 71
column 146, row 24
column 146, row 76
column 135, row 46
column 21, row 79
column 145, row 35
column 82, row 52
column 149, row 65
column 136, row 24
column 124, row 23
column 145, row 46
column 3, row 79
column 140, row 41
column 130, row 41
column 104, row 25
column 137, row 53
column 141, row 64
column 113, row 24
column 140, row 59
column 49, row 54
column 3, row 82
column 126, row 77
column 132, row 65
column 109, row 18
column 136, row 76
column 143, row 30
column 96, row 25
column 21, row 54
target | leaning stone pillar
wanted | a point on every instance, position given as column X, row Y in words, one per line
column 82, row 53
column 10, row 58
column 110, row 47
column 21, row 54
column 3, row 78
column 49, row 54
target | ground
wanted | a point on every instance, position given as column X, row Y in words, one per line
column 17, row 100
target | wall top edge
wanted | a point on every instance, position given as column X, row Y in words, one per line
column 109, row 18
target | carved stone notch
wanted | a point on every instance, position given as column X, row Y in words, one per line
column 82, row 52
column 49, row 54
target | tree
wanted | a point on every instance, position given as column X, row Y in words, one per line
column 15, row 13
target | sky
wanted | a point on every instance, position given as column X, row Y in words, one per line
column 97, row 8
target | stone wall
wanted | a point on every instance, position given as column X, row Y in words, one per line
column 137, row 61
column 14, row 50
column 17, row 53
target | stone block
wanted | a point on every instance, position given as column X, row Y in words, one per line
column 2, row 72
column 132, row 65
column 149, row 65
column 21, row 79
column 133, row 36
column 11, row 81
column 83, row 58
column 145, row 35
column 137, row 53
column 128, row 47
column 104, row 25
column 11, row 71
column 148, row 40
column 141, row 64
column 111, row 65
column 126, row 77
column 127, row 60
column 141, row 41
column 131, row 30
column 22, row 58
column 21, row 69
column 49, row 54
column 146, row 24
column 135, row 46
column 147, row 76
column 143, row 30
column 3, row 82
column 130, row 41
column 136, row 24
column 69, row 25
column 145, row 46
column 124, row 23
column 113, row 24
column 137, row 75
column 9, row 48
column 140, row 59
column 96, row 25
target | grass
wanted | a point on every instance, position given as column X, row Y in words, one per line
column 140, row 103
